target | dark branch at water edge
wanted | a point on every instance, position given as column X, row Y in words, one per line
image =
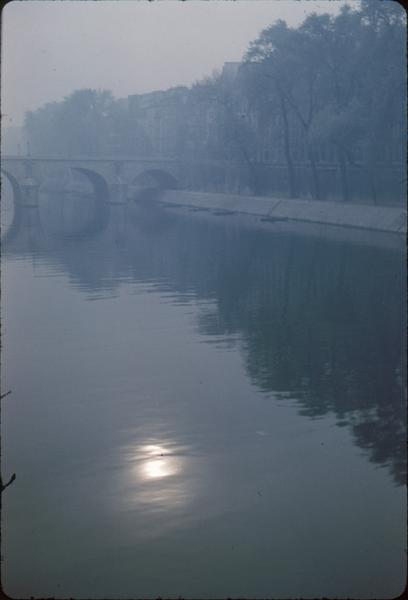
column 12, row 478
column 10, row 481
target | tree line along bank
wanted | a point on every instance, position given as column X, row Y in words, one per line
column 315, row 111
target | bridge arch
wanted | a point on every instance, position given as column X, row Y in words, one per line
column 10, row 233
column 99, row 183
column 100, row 218
column 161, row 178
column 14, row 186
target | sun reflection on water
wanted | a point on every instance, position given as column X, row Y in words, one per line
column 158, row 477
column 158, row 462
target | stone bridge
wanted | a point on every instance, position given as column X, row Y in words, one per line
column 111, row 178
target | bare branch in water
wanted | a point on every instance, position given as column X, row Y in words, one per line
column 12, row 478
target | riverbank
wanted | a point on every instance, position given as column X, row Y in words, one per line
column 274, row 210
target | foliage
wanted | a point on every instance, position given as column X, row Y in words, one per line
column 332, row 89
column 340, row 80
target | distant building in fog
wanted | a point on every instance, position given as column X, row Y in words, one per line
column 174, row 123
column 160, row 116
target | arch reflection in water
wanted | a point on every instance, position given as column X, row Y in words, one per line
column 76, row 216
column 158, row 477
column 10, row 211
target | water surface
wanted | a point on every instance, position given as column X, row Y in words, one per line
column 199, row 409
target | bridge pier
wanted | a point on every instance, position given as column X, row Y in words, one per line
column 29, row 191
column 118, row 192
column 118, row 187
column 29, row 186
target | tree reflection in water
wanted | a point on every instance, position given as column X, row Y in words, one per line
column 321, row 323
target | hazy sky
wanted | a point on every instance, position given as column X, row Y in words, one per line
column 51, row 48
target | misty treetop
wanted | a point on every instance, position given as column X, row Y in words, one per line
column 340, row 81
column 83, row 123
column 316, row 110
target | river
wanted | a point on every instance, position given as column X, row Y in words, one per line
column 199, row 408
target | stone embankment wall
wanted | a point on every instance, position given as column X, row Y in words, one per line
column 372, row 218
